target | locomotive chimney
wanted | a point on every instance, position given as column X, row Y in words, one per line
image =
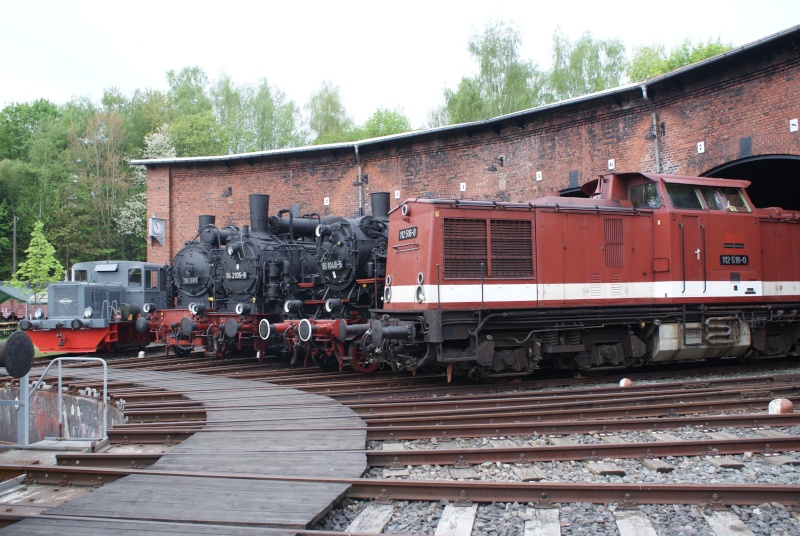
column 204, row 220
column 259, row 213
column 380, row 205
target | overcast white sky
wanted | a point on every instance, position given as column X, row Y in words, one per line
column 380, row 54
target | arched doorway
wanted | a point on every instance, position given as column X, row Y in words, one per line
column 775, row 179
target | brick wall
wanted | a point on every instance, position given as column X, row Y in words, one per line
column 739, row 106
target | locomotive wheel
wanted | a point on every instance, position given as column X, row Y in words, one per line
column 360, row 361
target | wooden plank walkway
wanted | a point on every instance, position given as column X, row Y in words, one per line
column 279, row 432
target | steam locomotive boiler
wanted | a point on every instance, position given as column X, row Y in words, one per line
column 195, row 266
column 251, row 277
column 352, row 265
column 651, row 269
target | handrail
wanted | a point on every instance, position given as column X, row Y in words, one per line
column 61, row 392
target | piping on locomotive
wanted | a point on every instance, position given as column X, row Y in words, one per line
column 650, row 269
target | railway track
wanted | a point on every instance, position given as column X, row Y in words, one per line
column 521, row 425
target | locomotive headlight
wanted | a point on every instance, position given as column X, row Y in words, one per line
column 242, row 308
column 149, row 308
column 38, row 314
column 333, row 305
column 193, row 308
column 420, row 278
column 387, row 294
column 88, row 312
column 420, row 294
column 76, row 324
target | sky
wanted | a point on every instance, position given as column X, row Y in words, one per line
column 379, row 54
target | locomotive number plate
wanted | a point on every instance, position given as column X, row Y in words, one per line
column 734, row 260
column 235, row 275
column 407, row 234
column 332, row 265
column 191, row 280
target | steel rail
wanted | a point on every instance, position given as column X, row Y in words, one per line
column 477, row 491
column 475, row 407
column 584, row 413
column 170, row 433
column 527, row 454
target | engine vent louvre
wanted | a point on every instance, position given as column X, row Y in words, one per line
column 470, row 251
column 512, row 252
column 465, row 244
column 64, row 301
column 614, row 246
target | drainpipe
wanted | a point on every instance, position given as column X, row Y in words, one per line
column 654, row 128
column 360, row 183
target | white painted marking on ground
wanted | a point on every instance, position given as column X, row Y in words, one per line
column 727, row 524
column 543, row 522
column 633, row 523
column 456, row 520
column 372, row 519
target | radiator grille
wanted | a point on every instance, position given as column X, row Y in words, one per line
column 64, row 301
column 464, row 248
column 505, row 250
column 614, row 245
column 512, row 252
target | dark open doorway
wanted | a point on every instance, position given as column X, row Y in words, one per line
column 775, row 179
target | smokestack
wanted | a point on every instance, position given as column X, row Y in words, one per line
column 380, row 205
column 259, row 213
column 204, row 220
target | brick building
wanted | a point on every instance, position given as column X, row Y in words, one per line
column 734, row 116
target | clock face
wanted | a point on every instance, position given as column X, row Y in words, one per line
column 158, row 226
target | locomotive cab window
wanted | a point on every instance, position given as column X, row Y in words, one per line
column 81, row 275
column 150, row 279
column 735, row 200
column 645, row 196
column 135, row 277
column 684, row 196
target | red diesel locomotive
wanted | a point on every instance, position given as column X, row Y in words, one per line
column 650, row 269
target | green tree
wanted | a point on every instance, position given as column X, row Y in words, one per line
column 18, row 195
column 653, row 60
column 383, row 122
column 195, row 129
column 583, row 67
column 274, row 120
column 187, row 91
column 328, row 119
column 41, row 267
column 505, row 82
column 105, row 182
column 228, row 103
column 19, row 124
column 147, row 111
